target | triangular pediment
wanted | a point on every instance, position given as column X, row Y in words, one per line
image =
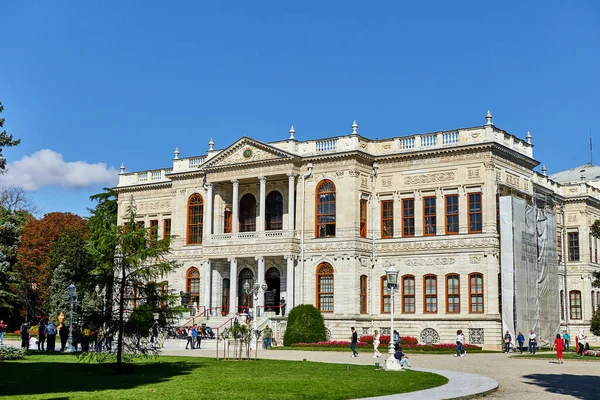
column 247, row 150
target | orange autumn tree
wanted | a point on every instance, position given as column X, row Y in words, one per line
column 33, row 255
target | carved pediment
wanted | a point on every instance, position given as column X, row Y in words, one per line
column 247, row 150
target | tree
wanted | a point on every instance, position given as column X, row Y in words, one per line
column 595, row 231
column 33, row 253
column 134, row 264
column 11, row 224
column 5, row 141
column 17, row 199
column 305, row 325
column 595, row 325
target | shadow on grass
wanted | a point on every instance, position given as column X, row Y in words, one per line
column 41, row 376
column 577, row 386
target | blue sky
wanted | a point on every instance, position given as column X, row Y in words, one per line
column 88, row 85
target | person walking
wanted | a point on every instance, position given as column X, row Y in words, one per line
column 268, row 337
column 51, row 336
column 282, row 306
column 42, row 334
column 580, row 343
column 558, row 345
column 520, row 341
column 64, row 335
column 154, row 338
column 566, row 338
column 459, row 344
column 354, row 342
column 25, row 335
column 507, row 341
column 2, row 332
column 376, row 353
column 532, row 342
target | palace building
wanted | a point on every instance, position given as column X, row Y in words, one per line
column 320, row 221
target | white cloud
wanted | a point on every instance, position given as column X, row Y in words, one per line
column 47, row 168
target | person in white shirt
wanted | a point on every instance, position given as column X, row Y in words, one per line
column 459, row 344
column 33, row 342
column 532, row 342
column 376, row 345
column 581, row 346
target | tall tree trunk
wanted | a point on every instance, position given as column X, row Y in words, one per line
column 121, row 312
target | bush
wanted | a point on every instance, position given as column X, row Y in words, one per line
column 305, row 325
column 11, row 353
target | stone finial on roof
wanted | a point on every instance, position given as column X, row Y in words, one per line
column 544, row 170
column 488, row 118
column 528, row 137
column 176, row 153
column 122, row 169
column 354, row 128
column 292, row 132
column 211, row 145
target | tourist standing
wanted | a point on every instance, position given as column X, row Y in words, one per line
column 532, row 342
column 558, row 345
column 566, row 338
column 2, row 332
column 198, row 336
column 42, row 334
column 282, row 306
column 25, row 335
column 507, row 341
column 190, row 339
column 520, row 341
column 194, row 336
column 64, row 335
column 354, row 342
column 376, row 352
column 76, row 333
column 154, row 338
column 396, row 338
column 51, row 336
column 459, row 344
column 581, row 343
column 268, row 336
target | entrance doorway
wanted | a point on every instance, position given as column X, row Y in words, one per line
column 273, row 281
column 225, row 297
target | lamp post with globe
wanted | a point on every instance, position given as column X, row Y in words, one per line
column 256, row 289
column 391, row 364
column 73, row 295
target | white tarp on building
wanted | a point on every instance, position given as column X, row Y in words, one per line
column 529, row 270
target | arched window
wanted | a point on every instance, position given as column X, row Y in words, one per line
column 575, row 303
column 274, row 211
column 325, row 287
column 248, row 213
column 363, row 293
column 325, row 209
column 408, row 294
column 385, row 296
column 192, row 284
column 452, row 293
column 476, row 293
column 430, row 294
column 195, row 219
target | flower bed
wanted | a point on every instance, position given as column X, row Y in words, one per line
column 385, row 340
column 591, row 353
column 412, row 346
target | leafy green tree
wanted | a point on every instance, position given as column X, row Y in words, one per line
column 595, row 231
column 11, row 227
column 305, row 325
column 6, row 140
column 595, row 325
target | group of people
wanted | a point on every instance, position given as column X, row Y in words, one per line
column 48, row 332
column 532, row 342
column 560, row 343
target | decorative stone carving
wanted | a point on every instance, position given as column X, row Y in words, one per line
column 386, row 181
column 429, row 178
column 154, row 206
column 473, row 173
column 364, row 181
column 423, row 262
column 437, row 245
column 476, row 335
column 474, row 259
column 339, row 173
column 354, row 173
column 512, row 179
column 572, row 218
column 386, row 146
column 429, row 336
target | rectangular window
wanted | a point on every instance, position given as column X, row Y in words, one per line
column 153, row 231
column 452, row 294
column 575, row 303
column 385, row 296
column 139, row 224
column 166, row 228
column 429, row 217
column 451, row 214
column 591, row 247
column 363, row 218
column 326, row 293
column 573, row 238
column 408, row 294
column 476, row 293
column 408, row 217
column 559, row 249
column 387, row 219
column 363, row 294
column 227, row 218
column 475, row 214
column 430, row 293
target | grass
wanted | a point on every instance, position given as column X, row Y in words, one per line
column 552, row 356
column 43, row 376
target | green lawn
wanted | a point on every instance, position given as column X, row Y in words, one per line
column 61, row 376
column 552, row 356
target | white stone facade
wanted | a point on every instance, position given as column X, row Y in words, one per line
column 270, row 244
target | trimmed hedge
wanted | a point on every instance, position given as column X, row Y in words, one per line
column 305, row 324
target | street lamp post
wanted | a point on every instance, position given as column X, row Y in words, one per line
column 391, row 364
column 72, row 294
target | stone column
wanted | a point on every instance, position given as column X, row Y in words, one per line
column 207, row 284
column 289, row 299
column 291, row 210
column 232, row 285
column 235, row 207
column 208, row 218
column 263, row 195
column 260, row 279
